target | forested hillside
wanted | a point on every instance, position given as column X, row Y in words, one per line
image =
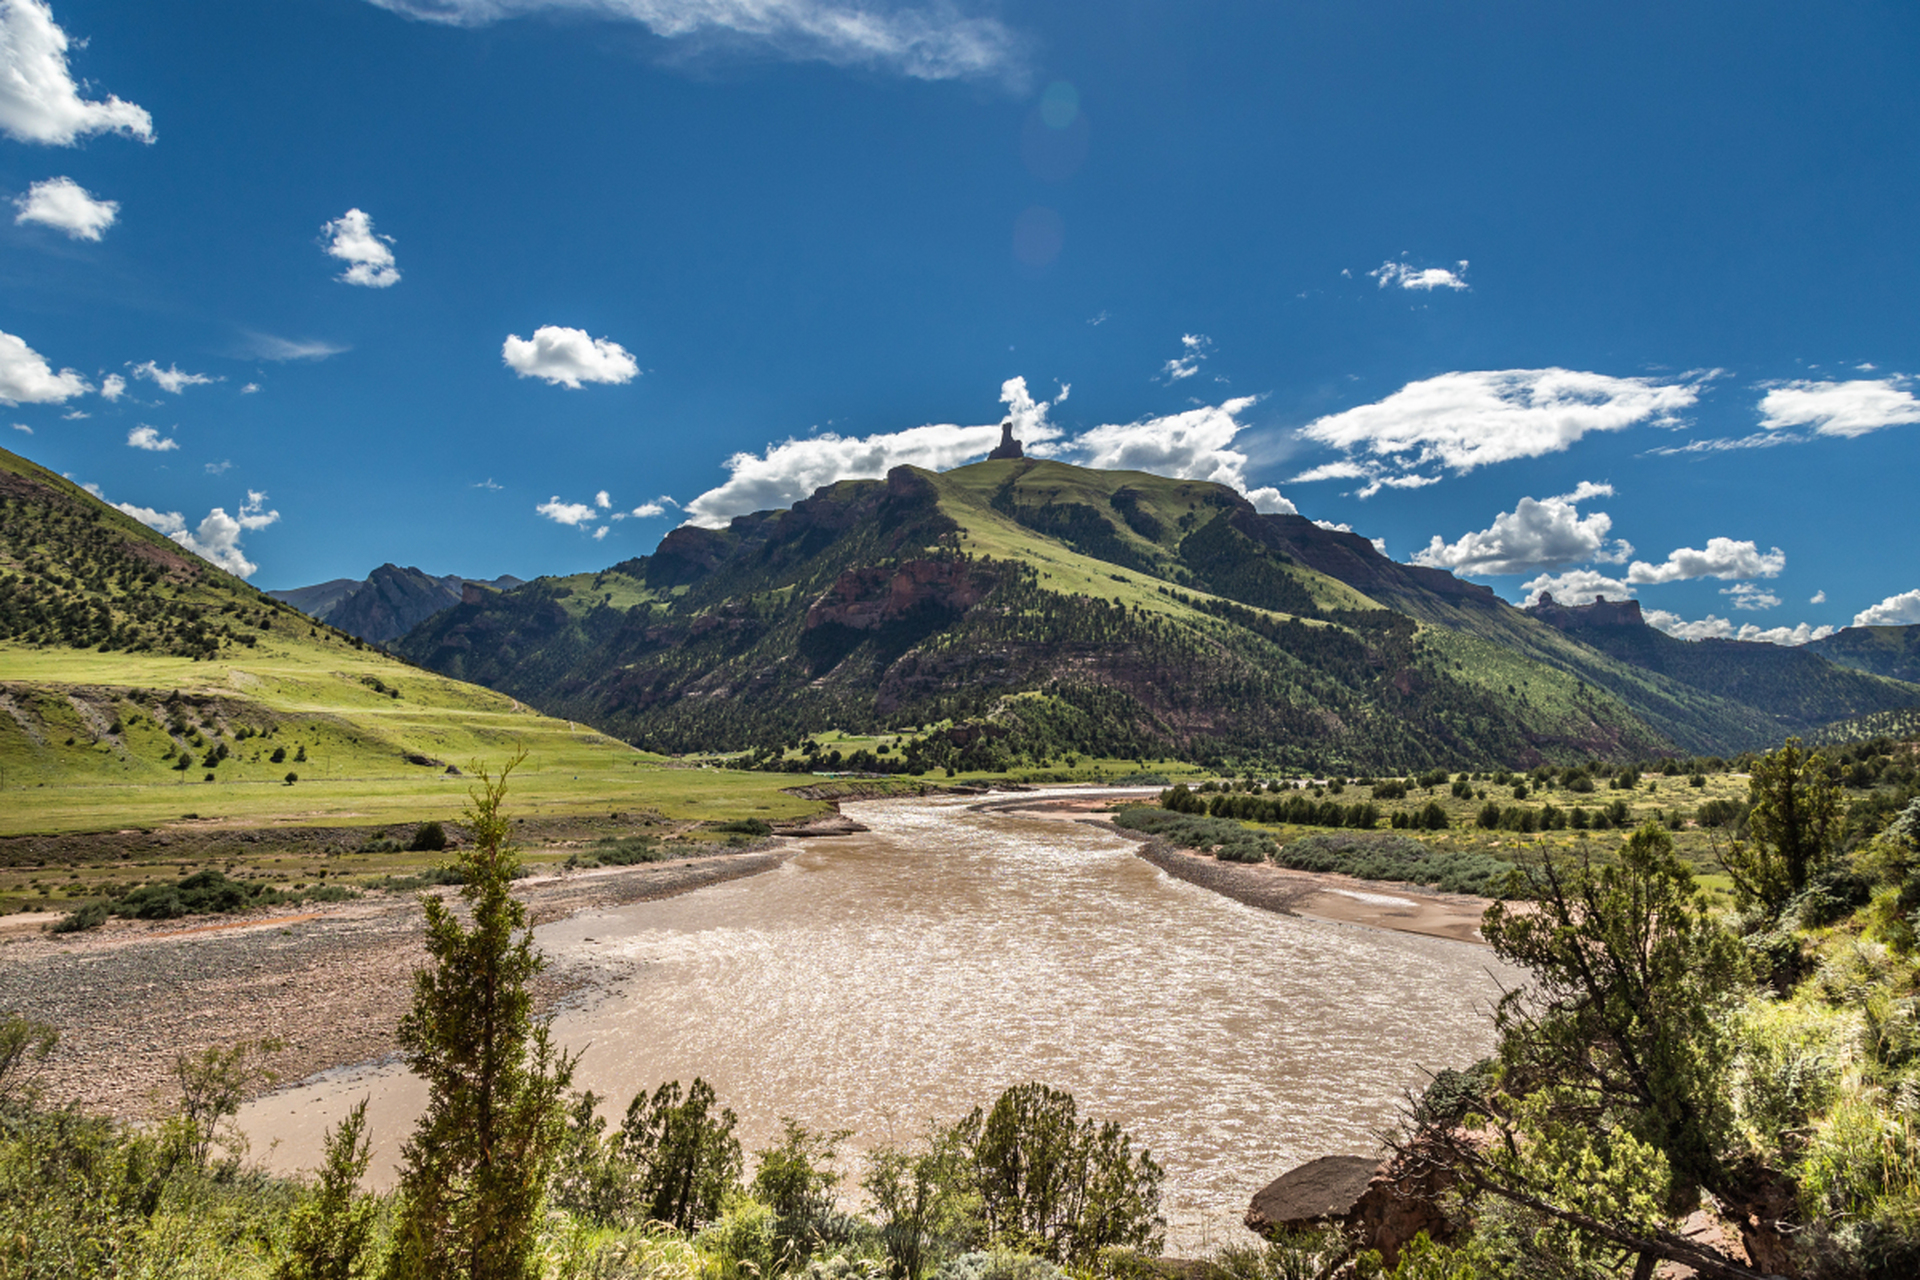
column 1077, row 610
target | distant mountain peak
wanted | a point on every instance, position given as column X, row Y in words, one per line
column 389, row 602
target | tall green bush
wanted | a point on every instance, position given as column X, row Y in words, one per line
column 476, row 1168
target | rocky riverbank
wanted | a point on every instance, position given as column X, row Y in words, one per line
column 329, row 981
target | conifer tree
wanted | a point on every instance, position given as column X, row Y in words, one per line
column 1792, row 827
column 475, row 1170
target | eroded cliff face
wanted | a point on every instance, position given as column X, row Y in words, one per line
column 868, row 598
column 1575, row 617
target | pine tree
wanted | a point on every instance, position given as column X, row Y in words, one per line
column 476, row 1168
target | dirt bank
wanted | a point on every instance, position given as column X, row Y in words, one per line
column 330, row 981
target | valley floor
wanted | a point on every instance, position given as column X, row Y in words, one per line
column 332, row 981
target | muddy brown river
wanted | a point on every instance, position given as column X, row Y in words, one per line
column 879, row 980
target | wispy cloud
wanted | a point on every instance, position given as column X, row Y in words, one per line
column 933, row 42
column 568, row 357
column 39, row 100
column 267, row 346
column 368, row 255
column 172, row 379
column 1194, row 347
column 1459, row 421
column 1425, row 279
column 65, row 205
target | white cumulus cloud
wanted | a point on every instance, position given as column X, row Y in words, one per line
column 935, row 42
column 1270, row 501
column 568, row 513
column 569, row 357
column 648, row 510
column 21, row 426
column 1459, row 421
column 27, row 378
column 1575, row 586
column 1713, row 628
column 1723, row 558
column 217, row 538
column 1194, row 445
column 150, row 439
column 793, row 469
column 1535, row 535
column 112, row 387
column 1895, row 611
column 39, row 101
column 65, row 205
column 1840, row 408
column 1425, row 279
column 368, row 255
column 171, row 379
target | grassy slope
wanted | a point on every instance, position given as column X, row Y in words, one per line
column 299, row 684
column 967, row 494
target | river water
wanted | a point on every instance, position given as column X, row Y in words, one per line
column 876, row 981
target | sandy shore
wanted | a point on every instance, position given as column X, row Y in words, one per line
column 331, row 982
column 1321, row 896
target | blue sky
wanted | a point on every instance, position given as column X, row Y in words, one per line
column 1603, row 297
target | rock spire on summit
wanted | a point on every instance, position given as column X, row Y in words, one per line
column 1008, row 447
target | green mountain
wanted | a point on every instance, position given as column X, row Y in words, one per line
column 1884, row 651
column 1069, row 610
column 138, row 682
column 1110, row 612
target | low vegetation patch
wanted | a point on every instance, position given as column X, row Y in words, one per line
column 1385, row 855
